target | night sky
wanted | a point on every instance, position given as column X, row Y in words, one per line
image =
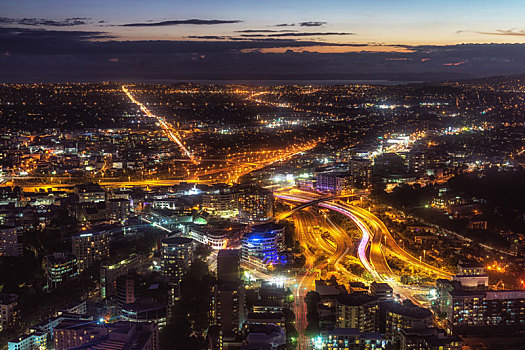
column 160, row 40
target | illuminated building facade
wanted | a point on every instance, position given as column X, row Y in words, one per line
column 90, row 193
column 228, row 309
column 11, row 241
column 349, row 338
column 176, row 256
column 478, row 311
column 359, row 311
column 32, row 341
column 334, row 183
column 360, row 172
column 255, row 204
column 399, row 316
column 118, row 209
column 60, row 267
column 90, row 248
column 8, row 310
column 123, row 335
column 109, row 274
column 260, row 247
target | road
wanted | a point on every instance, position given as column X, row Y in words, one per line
column 322, row 253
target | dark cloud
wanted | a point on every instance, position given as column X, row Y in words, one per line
column 503, row 32
column 27, row 34
column 276, row 35
column 285, row 25
column 68, row 22
column 181, row 22
column 265, row 31
column 209, row 37
column 312, row 24
column 41, row 55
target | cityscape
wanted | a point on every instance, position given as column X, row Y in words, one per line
column 173, row 183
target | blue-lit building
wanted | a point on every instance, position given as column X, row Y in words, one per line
column 261, row 247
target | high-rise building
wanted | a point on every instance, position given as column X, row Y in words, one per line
column 109, row 274
column 118, row 209
column 221, row 201
column 60, row 267
column 228, row 309
column 90, row 248
column 228, row 265
column 128, row 289
column 261, row 246
column 478, row 311
column 400, row 316
column 360, row 172
column 11, row 241
column 359, row 311
column 428, row 339
column 176, row 257
column 8, row 310
column 255, row 204
column 333, row 182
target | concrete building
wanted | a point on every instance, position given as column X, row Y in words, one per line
column 90, row 248
column 382, row 290
column 118, row 209
column 176, row 256
column 109, row 274
column 60, row 268
column 359, row 311
column 115, row 336
column 228, row 265
column 360, row 172
column 11, row 241
column 90, row 193
column 480, row 311
column 335, row 183
column 399, row 316
column 228, row 309
column 428, row 339
column 8, row 310
column 32, row 341
column 255, row 204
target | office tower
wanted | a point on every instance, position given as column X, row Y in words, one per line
column 90, row 248
column 60, row 267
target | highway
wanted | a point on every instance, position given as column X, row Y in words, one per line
column 322, row 253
